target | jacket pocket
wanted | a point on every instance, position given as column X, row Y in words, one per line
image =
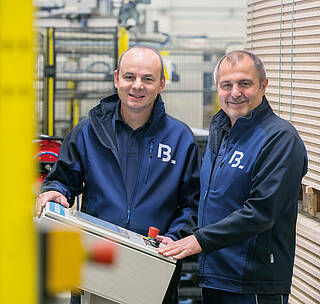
column 149, row 162
column 249, row 266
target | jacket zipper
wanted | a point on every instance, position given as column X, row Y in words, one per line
column 206, row 192
column 211, row 175
column 149, row 162
column 135, row 188
column 214, row 179
column 219, row 170
column 128, row 216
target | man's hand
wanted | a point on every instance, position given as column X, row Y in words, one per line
column 45, row 197
column 164, row 240
column 182, row 248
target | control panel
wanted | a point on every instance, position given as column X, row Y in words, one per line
column 137, row 265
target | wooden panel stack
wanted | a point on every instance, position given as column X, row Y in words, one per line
column 306, row 273
column 285, row 34
column 311, row 201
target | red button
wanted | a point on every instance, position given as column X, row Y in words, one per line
column 153, row 232
column 104, row 252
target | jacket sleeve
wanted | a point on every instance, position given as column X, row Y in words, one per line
column 189, row 192
column 275, row 184
column 66, row 175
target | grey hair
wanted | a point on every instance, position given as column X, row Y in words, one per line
column 142, row 47
column 234, row 57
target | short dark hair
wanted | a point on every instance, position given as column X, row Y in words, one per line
column 147, row 48
column 237, row 55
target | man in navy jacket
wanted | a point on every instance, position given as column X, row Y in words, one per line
column 135, row 165
column 250, row 181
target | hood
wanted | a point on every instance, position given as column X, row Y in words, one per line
column 101, row 118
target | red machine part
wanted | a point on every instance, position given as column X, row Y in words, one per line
column 103, row 253
column 153, row 232
column 47, row 155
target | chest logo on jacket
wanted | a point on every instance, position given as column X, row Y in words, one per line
column 164, row 152
column 235, row 159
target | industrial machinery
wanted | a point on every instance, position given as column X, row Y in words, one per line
column 47, row 155
column 139, row 274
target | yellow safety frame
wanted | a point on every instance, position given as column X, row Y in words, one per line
column 75, row 111
column 18, row 270
column 73, row 105
column 123, row 40
column 49, row 82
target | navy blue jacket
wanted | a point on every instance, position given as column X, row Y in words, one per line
column 248, row 211
column 167, row 188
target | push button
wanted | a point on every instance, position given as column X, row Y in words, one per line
column 152, row 234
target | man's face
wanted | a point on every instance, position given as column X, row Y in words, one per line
column 138, row 82
column 239, row 88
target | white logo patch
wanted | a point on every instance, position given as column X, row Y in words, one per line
column 164, row 152
column 235, row 159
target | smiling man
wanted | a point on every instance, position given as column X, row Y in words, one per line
column 138, row 80
column 250, row 180
column 135, row 165
column 241, row 87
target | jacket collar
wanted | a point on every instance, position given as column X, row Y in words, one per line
column 107, row 106
column 258, row 114
column 221, row 121
column 101, row 118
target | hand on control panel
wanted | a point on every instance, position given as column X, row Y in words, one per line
column 164, row 240
column 156, row 240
